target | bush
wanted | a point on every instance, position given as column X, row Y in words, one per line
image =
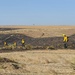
column 28, row 47
column 9, row 47
column 6, row 48
column 45, row 47
column 38, row 47
column 51, row 47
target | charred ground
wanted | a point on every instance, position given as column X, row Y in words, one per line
column 56, row 42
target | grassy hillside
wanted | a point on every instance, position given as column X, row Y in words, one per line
column 38, row 35
column 39, row 59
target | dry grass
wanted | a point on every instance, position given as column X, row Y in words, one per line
column 37, row 31
column 43, row 62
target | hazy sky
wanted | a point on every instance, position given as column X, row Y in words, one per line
column 38, row 12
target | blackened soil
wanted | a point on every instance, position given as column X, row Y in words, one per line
column 56, row 42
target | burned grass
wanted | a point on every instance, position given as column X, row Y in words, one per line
column 38, row 43
column 6, row 29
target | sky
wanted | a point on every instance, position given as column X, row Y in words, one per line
column 37, row 12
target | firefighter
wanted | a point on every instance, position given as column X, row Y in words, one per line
column 15, row 44
column 65, row 40
column 5, row 43
column 23, row 42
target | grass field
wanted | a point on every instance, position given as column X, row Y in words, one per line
column 37, row 62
